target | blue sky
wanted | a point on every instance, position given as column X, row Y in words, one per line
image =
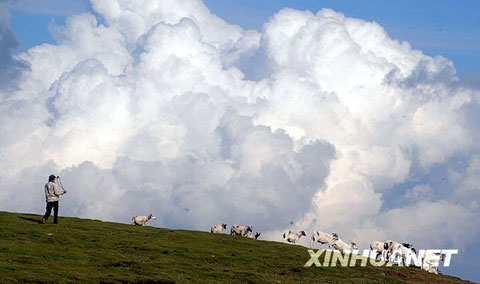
column 448, row 28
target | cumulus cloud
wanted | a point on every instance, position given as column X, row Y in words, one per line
column 317, row 122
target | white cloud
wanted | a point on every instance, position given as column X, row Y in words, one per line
column 432, row 224
column 151, row 112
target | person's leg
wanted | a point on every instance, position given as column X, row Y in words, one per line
column 48, row 211
column 55, row 212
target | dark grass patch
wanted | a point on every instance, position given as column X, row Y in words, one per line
column 119, row 264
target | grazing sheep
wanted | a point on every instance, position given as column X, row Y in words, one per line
column 240, row 230
column 386, row 247
column 380, row 247
column 431, row 262
column 142, row 220
column 293, row 237
column 341, row 246
column 322, row 238
column 251, row 236
column 396, row 249
column 218, row 229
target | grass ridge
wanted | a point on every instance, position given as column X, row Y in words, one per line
column 92, row 251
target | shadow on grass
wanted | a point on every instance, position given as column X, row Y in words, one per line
column 149, row 281
column 30, row 219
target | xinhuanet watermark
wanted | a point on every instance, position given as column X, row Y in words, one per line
column 430, row 257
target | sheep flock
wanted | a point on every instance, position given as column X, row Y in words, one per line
column 386, row 251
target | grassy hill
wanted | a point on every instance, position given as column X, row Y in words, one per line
column 80, row 250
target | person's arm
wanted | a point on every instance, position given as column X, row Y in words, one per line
column 57, row 191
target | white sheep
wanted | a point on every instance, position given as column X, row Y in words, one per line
column 252, row 236
column 396, row 249
column 341, row 246
column 380, row 247
column 142, row 220
column 430, row 262
column 240, row 230
column 322, row 238
column 293, row 237
column 218, row 229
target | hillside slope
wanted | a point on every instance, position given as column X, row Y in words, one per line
column 80, row 250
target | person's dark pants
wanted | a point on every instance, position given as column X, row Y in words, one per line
column 51, row 205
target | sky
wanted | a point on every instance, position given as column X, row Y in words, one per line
column 359, row 117
column 449, row 28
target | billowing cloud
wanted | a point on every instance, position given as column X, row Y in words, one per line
column 318, row 122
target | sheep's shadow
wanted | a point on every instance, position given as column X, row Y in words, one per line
column 30, row 219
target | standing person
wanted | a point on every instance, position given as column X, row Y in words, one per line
column 52, row 194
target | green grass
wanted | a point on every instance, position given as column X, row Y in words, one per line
column 92, row 251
